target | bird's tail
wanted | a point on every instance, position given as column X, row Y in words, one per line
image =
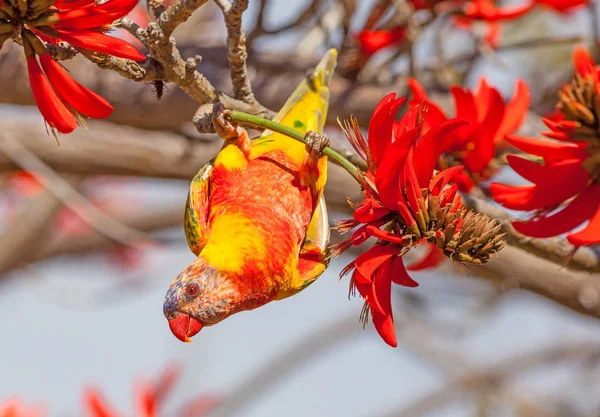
column 306, row 108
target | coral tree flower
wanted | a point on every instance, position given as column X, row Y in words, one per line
column 14, row 407
column 474, row 145
column 149, row 398
column 406, row 205
column 569, row 174
column 82, row 24
column 371, row 41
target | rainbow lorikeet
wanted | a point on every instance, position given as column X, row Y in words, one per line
column 256, row 217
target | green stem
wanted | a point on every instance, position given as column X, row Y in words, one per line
column 256, row 121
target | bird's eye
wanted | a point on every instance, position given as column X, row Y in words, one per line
column 191, row 290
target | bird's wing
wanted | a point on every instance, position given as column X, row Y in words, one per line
column 196, row 209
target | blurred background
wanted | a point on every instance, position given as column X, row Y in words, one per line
column 87, row 254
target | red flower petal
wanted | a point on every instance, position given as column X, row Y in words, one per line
column 400, row 275
column 77, row 96
column 64, row 5
column 385, row 327
column 465, row 103
column 463, row 182
column 432, row 258
column 548, row 150
column 435, row 114
column 51, row 106
column 408, row 124
column 369, row 211
column 486, row 11
column 95, row 405
column 372, row 41
column 533, row 197
column 99, row 42
column 584, row 64
column 562, row 5
column 411, row 185
column 549, row 174
column 578, row 211
column 428, row 150
column 449, row 194
column 99, row 15
column 388, row 173
column 442, row 179
column 385, row 235
column 381, row 290
column 381, row 306
column 381, row 125
column 492, row 36
column 367, row 263
column 145, row 400
column 516, row 111
column 590, row 234
column 482, row 98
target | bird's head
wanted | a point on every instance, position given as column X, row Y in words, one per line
column 198, row 297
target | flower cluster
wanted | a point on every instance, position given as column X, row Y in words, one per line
column 406, row 204
column 36, row 24
column 149, row 398
column 568, row 171
column 474, row 145
column 14, row 407
column 466, row 14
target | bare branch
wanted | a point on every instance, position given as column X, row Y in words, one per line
column 555, row 249
column 513, row 268
column 236, row 48
column 67, row 194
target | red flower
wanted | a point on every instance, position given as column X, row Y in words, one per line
column 372, row 41
column 562, row 6
column 486, row 10
column 405, row 204
column 474, row 145
column 82, row 24
column 149, row 398
column 14, row 407
column 569, row 174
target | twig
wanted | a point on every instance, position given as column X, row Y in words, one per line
column 177, row 14
column 236, row 48
column 67, row 194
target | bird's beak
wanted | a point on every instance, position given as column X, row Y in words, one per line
column 184, row 326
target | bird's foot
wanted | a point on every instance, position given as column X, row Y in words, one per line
column 221, row 119
column 315, row 143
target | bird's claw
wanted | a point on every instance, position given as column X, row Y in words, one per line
column 315, row 143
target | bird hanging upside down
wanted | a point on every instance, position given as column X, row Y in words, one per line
column 256, row 217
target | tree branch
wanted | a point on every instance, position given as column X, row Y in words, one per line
column 236, row 49
column 555, row 249
column 66, row 193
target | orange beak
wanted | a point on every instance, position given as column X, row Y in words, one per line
column 184, row 326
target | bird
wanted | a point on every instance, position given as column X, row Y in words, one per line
column 256, row 217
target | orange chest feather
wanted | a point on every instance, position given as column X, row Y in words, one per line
column 261, row 212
